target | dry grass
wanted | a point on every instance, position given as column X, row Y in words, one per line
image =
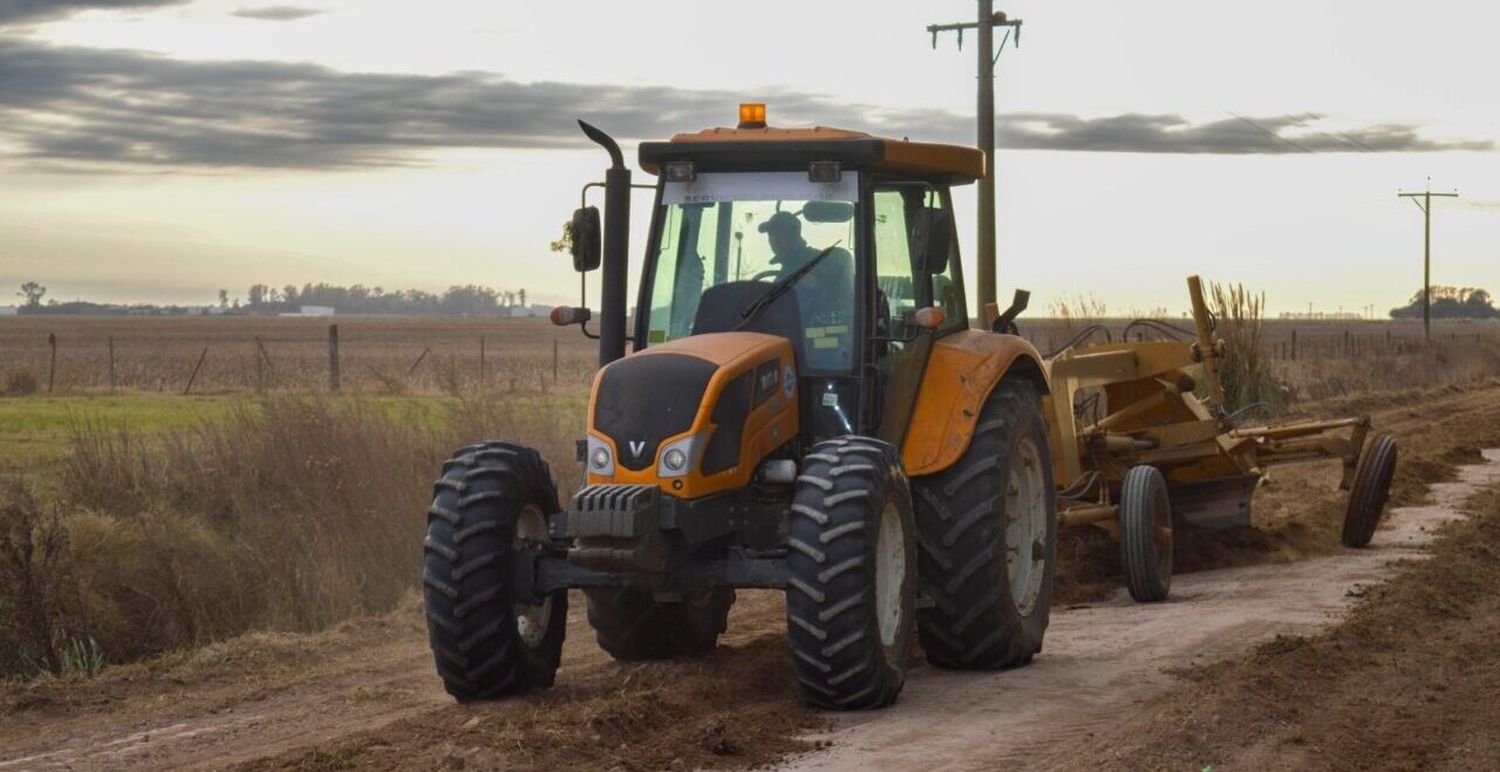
column 1244, row 371
column 291, row 513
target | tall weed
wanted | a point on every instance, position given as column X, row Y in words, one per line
column 289, row 513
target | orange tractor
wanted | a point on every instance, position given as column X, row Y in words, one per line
column 804, row 406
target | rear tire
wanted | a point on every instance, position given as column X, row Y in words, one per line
column 1371, row 489
column 492, row 500
column 851, row 574
column 631, row 625
column 1146, row 534
column 1001, row 490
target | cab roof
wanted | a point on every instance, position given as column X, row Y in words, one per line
column 773, row 148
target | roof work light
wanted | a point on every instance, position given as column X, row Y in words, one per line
column 752, row 115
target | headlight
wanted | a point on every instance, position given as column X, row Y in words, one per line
column 601, row 460
column 680, row 457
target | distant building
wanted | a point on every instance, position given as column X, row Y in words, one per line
column 311, row 311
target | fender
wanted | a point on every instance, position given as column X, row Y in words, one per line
column 962, row 370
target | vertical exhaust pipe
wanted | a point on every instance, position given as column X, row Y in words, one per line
column 616, row 255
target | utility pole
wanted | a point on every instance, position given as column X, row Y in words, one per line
column 1423, row 201
column 988, row 55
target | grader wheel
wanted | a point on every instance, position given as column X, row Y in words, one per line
column 1371, row 489
column 1146, row 534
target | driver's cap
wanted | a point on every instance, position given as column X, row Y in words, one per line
column 781, row 222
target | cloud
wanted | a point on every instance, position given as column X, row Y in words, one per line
column 29, row 11
column 1236, row 135
column 276, row 13
column 83, row 108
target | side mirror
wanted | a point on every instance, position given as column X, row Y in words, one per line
column 585, row 234
column 828, row 211
column 932, row 239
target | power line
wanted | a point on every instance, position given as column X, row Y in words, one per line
column 1270, row 133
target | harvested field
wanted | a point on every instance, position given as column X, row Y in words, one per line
column 399, row 355
column 378, row 355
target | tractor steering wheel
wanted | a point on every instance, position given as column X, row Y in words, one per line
column 766, row 275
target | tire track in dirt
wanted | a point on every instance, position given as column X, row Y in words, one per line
column 1105, row 658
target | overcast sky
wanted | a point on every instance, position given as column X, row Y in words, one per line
column 158, row 150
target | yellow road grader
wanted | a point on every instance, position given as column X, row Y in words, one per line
column 806, row 406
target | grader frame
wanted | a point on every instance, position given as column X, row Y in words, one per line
column 1155, row 417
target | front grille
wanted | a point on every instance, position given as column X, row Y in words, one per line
column 645, row 398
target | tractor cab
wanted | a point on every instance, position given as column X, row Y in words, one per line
column 840, row 243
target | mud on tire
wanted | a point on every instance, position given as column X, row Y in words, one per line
column 490, row 499
column 1372, row 486
column 851, row 566
column 964, row 525
column 631, row 625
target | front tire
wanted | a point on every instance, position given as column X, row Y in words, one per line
column 851, row 566
column 491, row 502
column 987, row 526
column 632, row 625
column 1371, row 489
column 1146, row 534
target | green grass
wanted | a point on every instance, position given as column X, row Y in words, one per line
column 34, row 430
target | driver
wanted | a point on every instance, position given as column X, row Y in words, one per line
column 829, row 287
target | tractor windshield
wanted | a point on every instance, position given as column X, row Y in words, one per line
column 727, row 237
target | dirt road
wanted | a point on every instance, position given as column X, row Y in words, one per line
column 364, row 695
column 1101, row 660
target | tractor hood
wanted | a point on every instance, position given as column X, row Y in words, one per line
column 693, row 416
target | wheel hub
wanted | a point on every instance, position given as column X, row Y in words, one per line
column 532, row 619
column 1026, row 526
column 890, row 574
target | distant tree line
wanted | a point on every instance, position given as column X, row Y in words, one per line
column 470, row 299
column 359, row 299
column 1451, row 303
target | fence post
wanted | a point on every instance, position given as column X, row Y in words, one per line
column 194, row 376
column 413, row 369
column 52, row 366
column 1294, row 344
column 111, row 364
column 554, row 361
column 265, row 357
column 333, row 357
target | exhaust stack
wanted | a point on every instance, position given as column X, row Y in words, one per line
column 616, row 245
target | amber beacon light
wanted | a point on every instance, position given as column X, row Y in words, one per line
column 752, row 115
